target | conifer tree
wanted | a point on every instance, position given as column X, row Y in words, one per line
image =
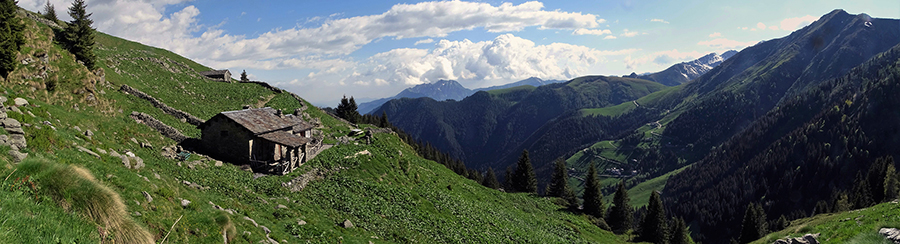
column 754, row 225
column 891, row 183
column 508, row 185
column 593, row 197
column 524, row 179
column 781, row 223
column 80, row 35
column 680, row 233
column 840, row 202
column 875, row 178
column 244, row 75
column 50, row 12
column 490, row 179
column 383, row 123
column 862, row 194
column 654, row 228
column 621, row 215
column 12, row 36
column 559, row 180
column 347, row 110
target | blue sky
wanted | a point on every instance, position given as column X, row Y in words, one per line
column 322, row 50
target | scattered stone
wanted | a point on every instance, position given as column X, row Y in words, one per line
column 129, row 154
column 156, row 175
column 138, row 162
column 88, row 133
column 247, row 233
column 17, row 156
column 891, row 234
column 147, row 196
column 257, row 175
column 185, row 202
column 101, row 151
column 20, row 102
column 280, row 207
column 11, row 123
column 137, row 213
column 4, row 140
column 146, row 145
column 135, row 141
column 15, row 131
column 264, row 228
column 301, row 222
column 251, row 220
column 347, row 224
column 805, row 239
column 3, row 99
column 18, row 141
column 88, row 151
column 125, row 161
column 114, row 153
column 30, row 114
column 218, row 163
column 15, row 109
column 77, row 128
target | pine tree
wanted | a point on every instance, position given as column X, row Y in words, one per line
column 654, row 227
column 244, row 76
column 80, row 35
column 12, row 36
column 593, row 197
column 490, row 179
column 891, row 183
column 50, row 12
column 524, row 179
column 559, row 180
column 621, row 215
column 754, row 225
column 821, row 207
column 680, row 233
column 875, row 178
column 383, row 123
column 347, row 110
column 508, row 185
column 781, row 223
column 840, row 202
column 862, row 195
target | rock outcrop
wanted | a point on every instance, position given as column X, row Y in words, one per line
column 891, row 234
column 805, row 239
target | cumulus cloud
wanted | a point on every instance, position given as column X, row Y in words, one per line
column 791, row 24
column 659, row 20
column 626, row 33
column 181, row 33
column 760, row 26
column 425, row 41
column 722, row 43
column 715, row 34
column 609, row 37
column 596, row 32
column 506, row 57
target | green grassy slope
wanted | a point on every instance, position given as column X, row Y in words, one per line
column 388, row 197
column 854, row 226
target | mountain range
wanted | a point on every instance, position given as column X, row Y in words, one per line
column 737, row 125
column 686, row 71
column 445, row 89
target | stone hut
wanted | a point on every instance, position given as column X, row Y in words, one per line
column 271, row 142
column 218, row 75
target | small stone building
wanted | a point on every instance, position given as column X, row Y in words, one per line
column 271, row 142
column 218, row 75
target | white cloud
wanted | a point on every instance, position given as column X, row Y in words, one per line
column 609, row 37
column 791, row 24
column 506, row 57
column 596, row 32
column 760, row 26
column 661, row 58
column 626, row 33
column 722, row 43
column 181, row 32
column 715, row 34
column 659, row 20
column 773, row 27
column 425, row 41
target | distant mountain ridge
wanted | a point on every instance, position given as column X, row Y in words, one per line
column 446, row 89
column 533, row 81
column 686, row 71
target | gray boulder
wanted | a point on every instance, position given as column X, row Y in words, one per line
column 891, row 234
column 347, row 224
column 147, row 196
column 18, row 141
column 17, row 156
column 20, row 102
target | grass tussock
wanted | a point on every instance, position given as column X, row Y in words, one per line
column 76, row 189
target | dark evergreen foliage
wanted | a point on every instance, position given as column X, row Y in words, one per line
column 490, row 179
column 12, row 36
column 347, row 110
column 680, row 233
column 50, row 12
column 621, row 215
column 79, row 35
column 524, row 179
column 593, row 197
column 862, row 193
column 754, row 225
column 654, row 227
column 244, row 75
column 780, row 224
column 840, row 202
column 891, row 183
column 821, row 207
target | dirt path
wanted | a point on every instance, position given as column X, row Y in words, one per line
column 262, row 103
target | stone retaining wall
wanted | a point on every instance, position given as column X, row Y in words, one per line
column 163, row 129
column 263, row 84
column 165, row 108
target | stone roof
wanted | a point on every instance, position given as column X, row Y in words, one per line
column 259, row 120
column 300, row 124
column 285, row 138
column 215, row 72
